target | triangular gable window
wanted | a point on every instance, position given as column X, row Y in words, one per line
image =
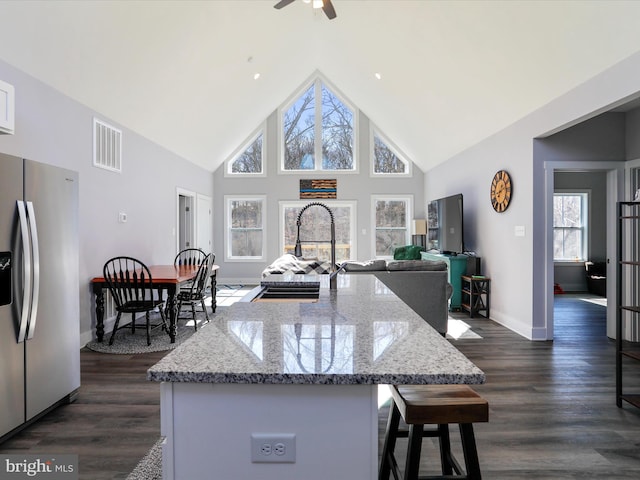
column 250, row 160
column 386, row 159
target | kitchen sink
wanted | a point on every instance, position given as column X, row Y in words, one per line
column 288, row 293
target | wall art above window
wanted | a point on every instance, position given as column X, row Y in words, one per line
column 319, row 188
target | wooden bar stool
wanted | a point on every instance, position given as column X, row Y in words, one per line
column 438, row 405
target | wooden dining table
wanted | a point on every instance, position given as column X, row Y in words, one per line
column 164, row 277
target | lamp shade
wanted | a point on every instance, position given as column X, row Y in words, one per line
column 419, row 227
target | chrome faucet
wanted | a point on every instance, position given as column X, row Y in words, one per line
column 333, row 281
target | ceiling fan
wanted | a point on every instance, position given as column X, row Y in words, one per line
column 326, row 6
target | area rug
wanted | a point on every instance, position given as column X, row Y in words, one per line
column 127, row 343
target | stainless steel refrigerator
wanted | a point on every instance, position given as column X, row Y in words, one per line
column 39, row 288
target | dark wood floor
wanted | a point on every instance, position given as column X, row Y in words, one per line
column 552, row 407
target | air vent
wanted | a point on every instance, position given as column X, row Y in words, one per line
column 107, row 146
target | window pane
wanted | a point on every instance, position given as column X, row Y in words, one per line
column 246, row 214
column 246, row 243
column 567, row 211
column 385, row 161
column 558, row 249
column 569, row 234
column 298, row 130
column 337, row 133
column 557, row 211
column 388, row 240
column 250, row 161
column 391, row 213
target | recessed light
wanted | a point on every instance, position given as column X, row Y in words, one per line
column 256, row 76
column 378, row 76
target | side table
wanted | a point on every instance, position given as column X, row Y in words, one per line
column 476, row 294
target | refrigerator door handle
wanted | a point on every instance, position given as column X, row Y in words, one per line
column 35, row 295
column 26, row 262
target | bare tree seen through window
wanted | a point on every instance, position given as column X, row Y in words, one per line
column 246, row 228
column 299, row 131
column 250, row 161
column 391, row 226
column 385, row 161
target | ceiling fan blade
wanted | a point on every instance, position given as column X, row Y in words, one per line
column 282, row 3
column 328, row 9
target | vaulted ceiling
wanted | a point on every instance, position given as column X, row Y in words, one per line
column 181, row 73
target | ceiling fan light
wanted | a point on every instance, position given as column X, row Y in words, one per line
column 317, row 4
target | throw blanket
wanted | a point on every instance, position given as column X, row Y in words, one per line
column 291, row 263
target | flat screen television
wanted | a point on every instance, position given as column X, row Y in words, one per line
column 445, row 225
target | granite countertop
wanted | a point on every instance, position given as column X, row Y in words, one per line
column 360, row 334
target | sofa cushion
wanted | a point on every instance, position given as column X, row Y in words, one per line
column 291, row 263
column 368, row 266
column 408, row 252
column 422, row 265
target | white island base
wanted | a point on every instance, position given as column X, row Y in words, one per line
column 208, row 430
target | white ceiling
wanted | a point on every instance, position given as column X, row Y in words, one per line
column 181, row 72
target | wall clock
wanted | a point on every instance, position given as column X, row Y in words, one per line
column 501, row 190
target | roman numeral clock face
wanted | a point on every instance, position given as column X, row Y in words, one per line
column 501, row 190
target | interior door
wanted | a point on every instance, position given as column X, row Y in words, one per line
column 185, row 222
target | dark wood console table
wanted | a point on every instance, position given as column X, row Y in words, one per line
column 476, row 294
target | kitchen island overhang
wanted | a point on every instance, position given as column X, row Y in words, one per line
column 308, row 369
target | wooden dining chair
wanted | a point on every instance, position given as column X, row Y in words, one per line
column 131, row 286
column 189, row 257
column 195, row 292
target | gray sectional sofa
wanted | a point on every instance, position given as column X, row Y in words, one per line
column 421, row 284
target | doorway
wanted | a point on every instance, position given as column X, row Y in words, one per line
column 194, row 221
column 186, row 220
column 612, row 178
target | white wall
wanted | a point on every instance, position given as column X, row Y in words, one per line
column 51, row 128
column 517, row 265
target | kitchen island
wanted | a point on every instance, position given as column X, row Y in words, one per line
column 304, row 373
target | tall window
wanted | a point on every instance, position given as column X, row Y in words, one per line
column 386, row 160
column 250, row 159
column 245, row 227
column 315, row 230
column 318, row 131
column 570, row 226
column 392, row 215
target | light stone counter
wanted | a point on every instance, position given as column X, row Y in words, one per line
column 361, row 334
column 307, row 369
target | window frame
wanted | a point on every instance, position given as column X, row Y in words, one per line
column 317, row 80
column 374, row 228
column 351, row 204
column 228, row 199
column 375, row 131
column 585, row 214
column 228, row 165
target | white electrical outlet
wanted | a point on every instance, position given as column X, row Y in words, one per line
column 273, row 448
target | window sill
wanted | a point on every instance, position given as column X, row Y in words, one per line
column 569, row 263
